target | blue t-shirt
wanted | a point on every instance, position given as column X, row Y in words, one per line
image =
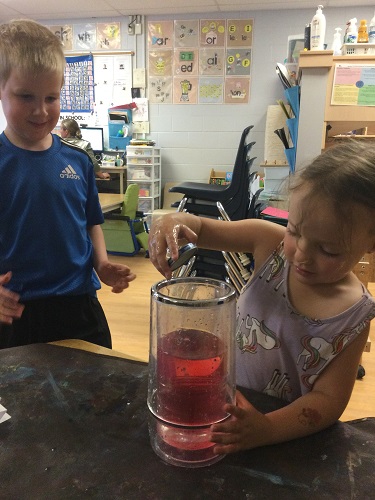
column 47, row 201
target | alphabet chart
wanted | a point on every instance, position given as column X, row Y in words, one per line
column 205, row 61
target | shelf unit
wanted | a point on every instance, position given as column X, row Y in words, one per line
column 316, row 111
column 144, row 169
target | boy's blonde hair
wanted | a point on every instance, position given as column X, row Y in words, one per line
column 29, row 47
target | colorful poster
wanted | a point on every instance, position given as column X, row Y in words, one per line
column 200, row 61
column 160, row 35
column 185, row 90
column 160, row 62
column 353, row 85
column 237, row 90
column 160, row 90
column 84, row 37
column 77, row 94
column 65, row 34
column 211, row 90
column 211, row 61
column 240, row 32
column 108, row 36
column 238, row 62
column 186, row 33
column 212, row 33
column 185, row 61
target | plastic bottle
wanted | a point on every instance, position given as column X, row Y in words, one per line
column 337, row 43
column 371, row 31
column 318, row 30
column 362, row 32
column 352, row 35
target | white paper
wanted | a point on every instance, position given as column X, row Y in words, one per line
column 3, row 414
column 140, row 114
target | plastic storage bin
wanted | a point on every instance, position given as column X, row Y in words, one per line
column 144, row 169
column 275, row 178
column 139, row 173
column 145, row 204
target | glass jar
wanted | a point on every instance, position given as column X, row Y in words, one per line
column 191, row 367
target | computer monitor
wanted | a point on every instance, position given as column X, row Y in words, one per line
column 95, row 136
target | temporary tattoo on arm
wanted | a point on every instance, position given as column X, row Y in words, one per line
column 309, row 417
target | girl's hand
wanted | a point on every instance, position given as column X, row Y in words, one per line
column 10, row 308
column 115, row 275
column 246, row 428
column 166, row 234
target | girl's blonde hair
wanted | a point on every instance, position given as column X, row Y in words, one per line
column 29, row 47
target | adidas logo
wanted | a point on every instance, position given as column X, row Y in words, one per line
column 69, row 173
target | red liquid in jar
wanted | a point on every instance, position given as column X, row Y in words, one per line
column 192, row 378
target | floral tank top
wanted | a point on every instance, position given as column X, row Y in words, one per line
column 279, row 351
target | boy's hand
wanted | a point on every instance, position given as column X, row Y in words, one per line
column 246, row 428
column 115, row 275
column 10, row 308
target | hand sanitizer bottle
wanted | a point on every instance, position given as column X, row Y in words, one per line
column 337, row 43
column 318, row 30
column 352, row 35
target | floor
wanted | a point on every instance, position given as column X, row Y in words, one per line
column 129, row 320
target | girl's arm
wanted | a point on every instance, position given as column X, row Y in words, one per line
column 254, row 236
column 115, row 275
column 313, row 412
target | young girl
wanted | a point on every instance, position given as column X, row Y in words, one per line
column 303, row 319
column 70, row 132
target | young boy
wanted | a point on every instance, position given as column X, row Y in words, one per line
column 51, row 242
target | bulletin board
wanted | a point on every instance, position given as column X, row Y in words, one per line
column 206, row 61
column 95, row 82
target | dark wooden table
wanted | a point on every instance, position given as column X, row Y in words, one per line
column 79, row 430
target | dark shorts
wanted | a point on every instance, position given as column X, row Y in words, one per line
column 57, row 318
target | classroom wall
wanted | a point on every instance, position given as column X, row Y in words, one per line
column 196, row 138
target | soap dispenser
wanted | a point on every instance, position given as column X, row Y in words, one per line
column 337, row 43
column 352, row 35
column 318, row 30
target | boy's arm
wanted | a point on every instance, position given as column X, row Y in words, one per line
column 117, row 276
column 98, row 243
column 308, row 414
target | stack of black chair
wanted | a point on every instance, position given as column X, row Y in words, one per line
column 231, row 202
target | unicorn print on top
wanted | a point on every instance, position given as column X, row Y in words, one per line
column 261, row 338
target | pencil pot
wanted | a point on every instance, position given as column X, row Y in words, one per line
column 191, row 368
